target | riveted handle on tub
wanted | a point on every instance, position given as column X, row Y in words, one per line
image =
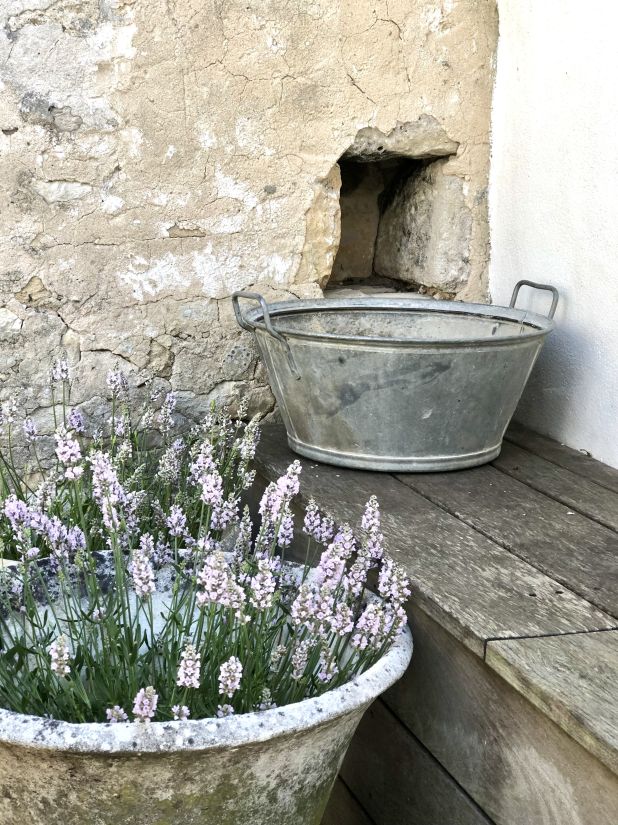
column 534, row 285
column 250, row 325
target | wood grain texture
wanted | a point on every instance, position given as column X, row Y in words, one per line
column 398, row 781
column 343, row 809
column 570, row 548
column 579, row 463
column 473, row 587
column 518, row 766
column 580, row 494
column 572, row 679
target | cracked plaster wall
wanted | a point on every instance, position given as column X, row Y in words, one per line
column 156, row 155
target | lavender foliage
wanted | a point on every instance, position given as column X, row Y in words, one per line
column 201, row 614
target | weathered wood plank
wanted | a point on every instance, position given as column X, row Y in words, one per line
column 398, row 781
column 516, row 763
column 570, row 548
column 469, row 584
column 573, row 679
column 580, row 494
column 343, row 809
column 573, row 460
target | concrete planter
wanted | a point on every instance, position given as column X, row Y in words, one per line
column 271, row 768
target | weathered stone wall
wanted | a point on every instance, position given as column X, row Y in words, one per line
column 156, row 155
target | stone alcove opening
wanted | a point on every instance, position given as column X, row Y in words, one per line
column 404, row 222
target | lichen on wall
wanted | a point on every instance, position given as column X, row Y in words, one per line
column 157, row 155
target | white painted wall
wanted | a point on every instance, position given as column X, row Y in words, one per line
column 554, row 206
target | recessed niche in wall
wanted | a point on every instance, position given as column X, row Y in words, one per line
column 404, row 222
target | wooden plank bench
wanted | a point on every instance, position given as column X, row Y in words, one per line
column 509, row 712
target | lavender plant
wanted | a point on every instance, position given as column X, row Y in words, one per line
column 139, row 589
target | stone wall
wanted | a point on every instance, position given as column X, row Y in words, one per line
column 156, row 155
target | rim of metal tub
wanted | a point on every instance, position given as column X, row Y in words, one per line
column 535, row 325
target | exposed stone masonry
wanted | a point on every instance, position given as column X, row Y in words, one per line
column 156, row 155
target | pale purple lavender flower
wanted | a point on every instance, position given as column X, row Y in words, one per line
column 147, row 419
column 393, row 584
column 60, row 370
column 124, row 452
column 107, row 490
column 328, row 666
column 313, row 521
column 286, row 528
column 203, row 464
column 356, row 577
column 142, row 571
column 249, row 440
column 169, row 463
column 371, row 517
column 303, row 606
column 246, row 448
column 341, row 619
column 145, row 704
column 163, row 554
column 345, row 541
column 212, row 489
column 67, row 448
column 76, row 421
column 276, row 657
column 263, row 585
column 166, row 413
column 374, row 540
column 266, row 701
column 176, row 521
column 318, row 526
column 117, row 383
column 372, row 627
column 324, row 604
column 280, row 492
column 16, row 510
column 218, row 584
column 242, row 545
column 181, row 713
column 189, row 668
column 224, row 514
column 116, row 714
column 230, row 674
column 332, row 565
column 45, row 494
column 121, row 425
column 300, row 657
column 29, row 428
column 224, row 710
column 59, row 656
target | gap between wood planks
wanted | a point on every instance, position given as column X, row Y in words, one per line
column 546, row 636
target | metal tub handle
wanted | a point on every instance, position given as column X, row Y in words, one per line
column 534, row 285
column 250, row 326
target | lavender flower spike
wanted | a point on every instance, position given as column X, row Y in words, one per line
column 145, row 704
column 116, row 714
column 230, row 675
column 29, row 428
column 224, row 710
column 189, row 669
column 181, row 713
column 142, row 570
column 59, row 655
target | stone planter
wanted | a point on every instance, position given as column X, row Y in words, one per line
column 271, row 768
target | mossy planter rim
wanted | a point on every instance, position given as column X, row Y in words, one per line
column 209, row 734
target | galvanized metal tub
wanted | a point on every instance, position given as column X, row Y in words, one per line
column 397, row 383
